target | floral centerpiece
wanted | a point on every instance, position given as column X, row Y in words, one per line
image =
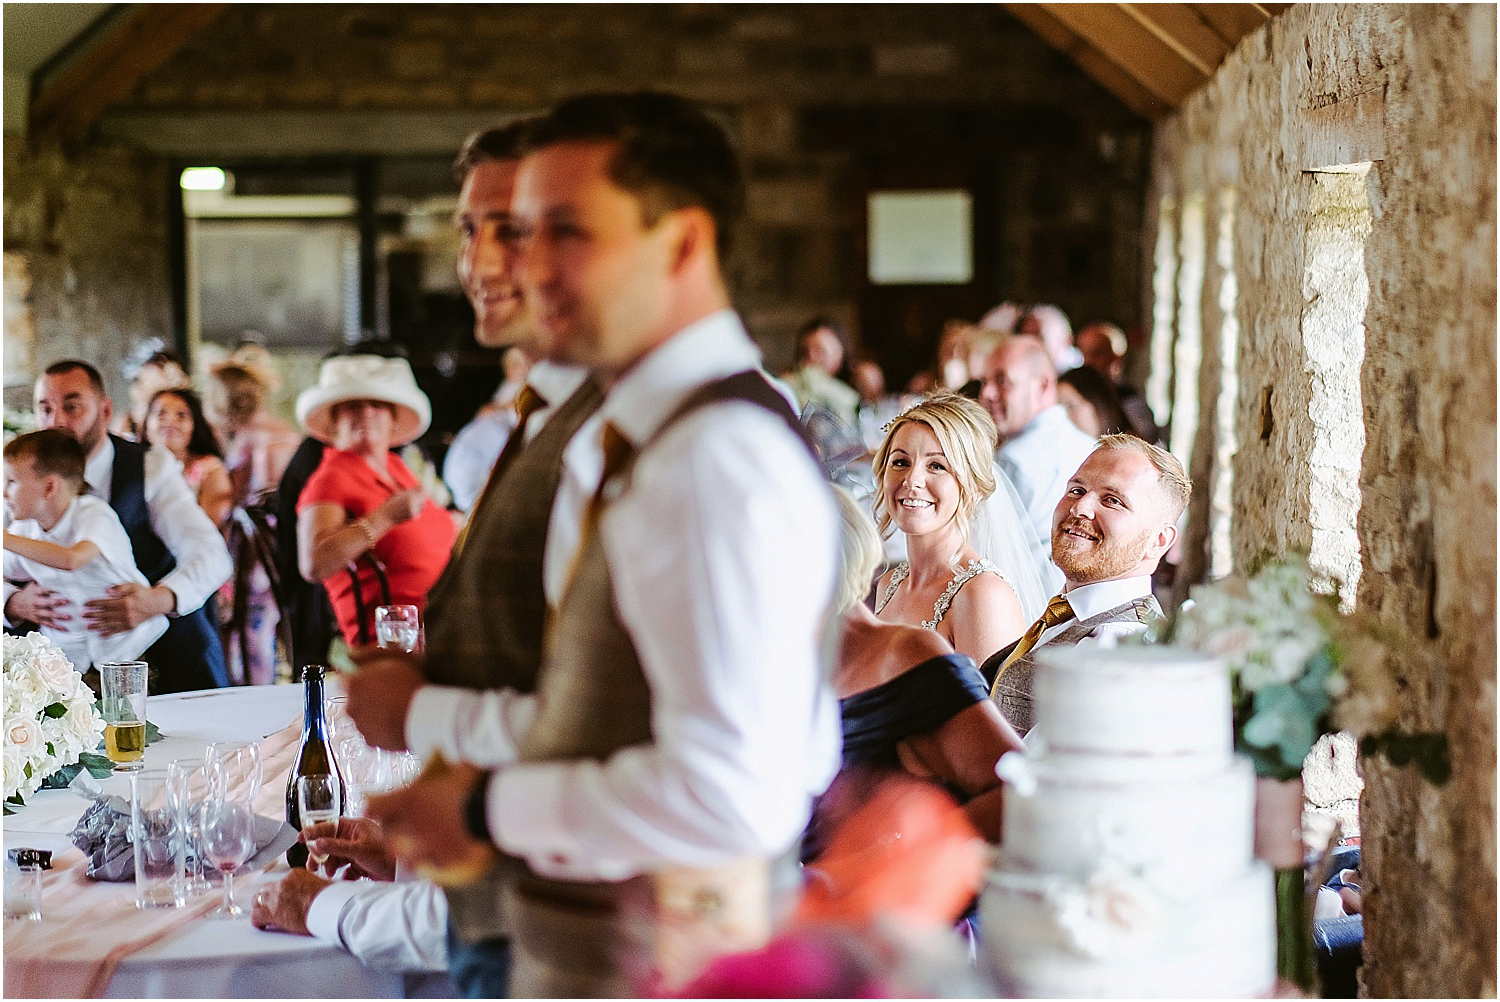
column 51, row 724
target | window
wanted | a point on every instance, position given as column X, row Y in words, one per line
column 921, row 237
column 1336, row 291
column 1226, row 443
column 1187, row 355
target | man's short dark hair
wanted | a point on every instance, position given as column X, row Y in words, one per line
column 52, row 451
column 672, row 155
column 67, row 365
column 503, row 142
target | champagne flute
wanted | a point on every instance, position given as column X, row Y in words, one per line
column 187, row 792
column 234, row 771
column 397, row 627
column 319, row 799
column 228, row 841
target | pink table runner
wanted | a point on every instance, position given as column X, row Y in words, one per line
column 89, row 926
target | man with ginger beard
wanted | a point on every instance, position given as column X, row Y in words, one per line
column 1115, row 521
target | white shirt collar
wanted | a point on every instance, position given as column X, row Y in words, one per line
column 554, row 381
column 1091, row 599
column 98, row 471
column 706, row 349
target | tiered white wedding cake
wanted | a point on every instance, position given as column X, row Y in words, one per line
column 1125, row 865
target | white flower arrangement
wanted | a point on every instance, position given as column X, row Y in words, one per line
column 51, row 723
column 1300, row 669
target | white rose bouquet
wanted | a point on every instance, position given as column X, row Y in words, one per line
column 1292, row 658
column 51, row 723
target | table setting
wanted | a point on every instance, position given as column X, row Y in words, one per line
column 165, row 912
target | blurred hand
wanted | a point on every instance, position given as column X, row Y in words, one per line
column 356, row 842
column 126, row 607
column 35, row 604
column 283, row 906
column 404, row 505
column 424, row 824
column 380, row 694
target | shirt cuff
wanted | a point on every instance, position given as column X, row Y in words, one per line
column 327, row 909
column 525, row 811
column 171, row 584
column 431, row 717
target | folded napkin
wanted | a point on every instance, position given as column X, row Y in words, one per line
column 103, row 835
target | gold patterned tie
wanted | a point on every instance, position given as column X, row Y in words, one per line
column 1058, row 611
column 617, row 450
column 527, row 403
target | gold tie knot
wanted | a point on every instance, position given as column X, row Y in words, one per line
column 528, row 402
column 617, row 449
column 1057, row 611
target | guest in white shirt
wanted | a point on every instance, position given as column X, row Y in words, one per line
column 477, row 445
column 708, row 574
column 1039, row 446
column 175, row 545
column 382, row 916
column 71, row 544
column 1111, row 527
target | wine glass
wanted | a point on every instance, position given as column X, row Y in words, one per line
column 187, row 792
column 397, row 627
column 234, row 770
column 228, row 841
column 319, row 799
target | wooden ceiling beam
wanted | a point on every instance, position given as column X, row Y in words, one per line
column 1230, row 21
column 145, row 38
column 1103, row 72
column 1128, row 44
column 1180, row 28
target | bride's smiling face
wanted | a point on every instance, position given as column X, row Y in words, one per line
column 921, row 490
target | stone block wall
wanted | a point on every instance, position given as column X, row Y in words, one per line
column 1410, row 89
column 86, row 257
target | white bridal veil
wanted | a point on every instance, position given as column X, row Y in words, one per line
column 1002, row 534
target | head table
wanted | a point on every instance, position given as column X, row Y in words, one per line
column 92, row 941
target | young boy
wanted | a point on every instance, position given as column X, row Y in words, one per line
column 70, row 543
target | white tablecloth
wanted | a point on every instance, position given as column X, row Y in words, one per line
column 211, row 958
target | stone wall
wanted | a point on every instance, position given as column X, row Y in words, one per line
column 1410, row 88
column 86, row 259
column 821, row 98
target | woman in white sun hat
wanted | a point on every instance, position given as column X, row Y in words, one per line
column 362, row 499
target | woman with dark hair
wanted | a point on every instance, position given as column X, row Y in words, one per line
column 160, row 371
column 175, row 421
column 1091, row 402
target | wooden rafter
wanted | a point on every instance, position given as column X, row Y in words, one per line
column 144, row 38
column 1149, row 55
column 1122, row 40
column 1105, row 73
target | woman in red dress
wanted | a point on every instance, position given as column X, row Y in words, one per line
column 362, row 499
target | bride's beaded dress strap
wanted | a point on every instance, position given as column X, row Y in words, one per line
column 940, row 607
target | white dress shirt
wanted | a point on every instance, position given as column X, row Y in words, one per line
column 473, row 453
column 400, row 926
column 1092, row 599
column 722, row 553
column 1040, row 459
column 482, row 727
column 203, row 562
column 87, row 518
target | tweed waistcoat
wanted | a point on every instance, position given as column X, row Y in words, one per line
column 1014, row 692
column 592, row 700
column 486, row 613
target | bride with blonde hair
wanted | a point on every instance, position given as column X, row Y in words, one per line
column 968, row 574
